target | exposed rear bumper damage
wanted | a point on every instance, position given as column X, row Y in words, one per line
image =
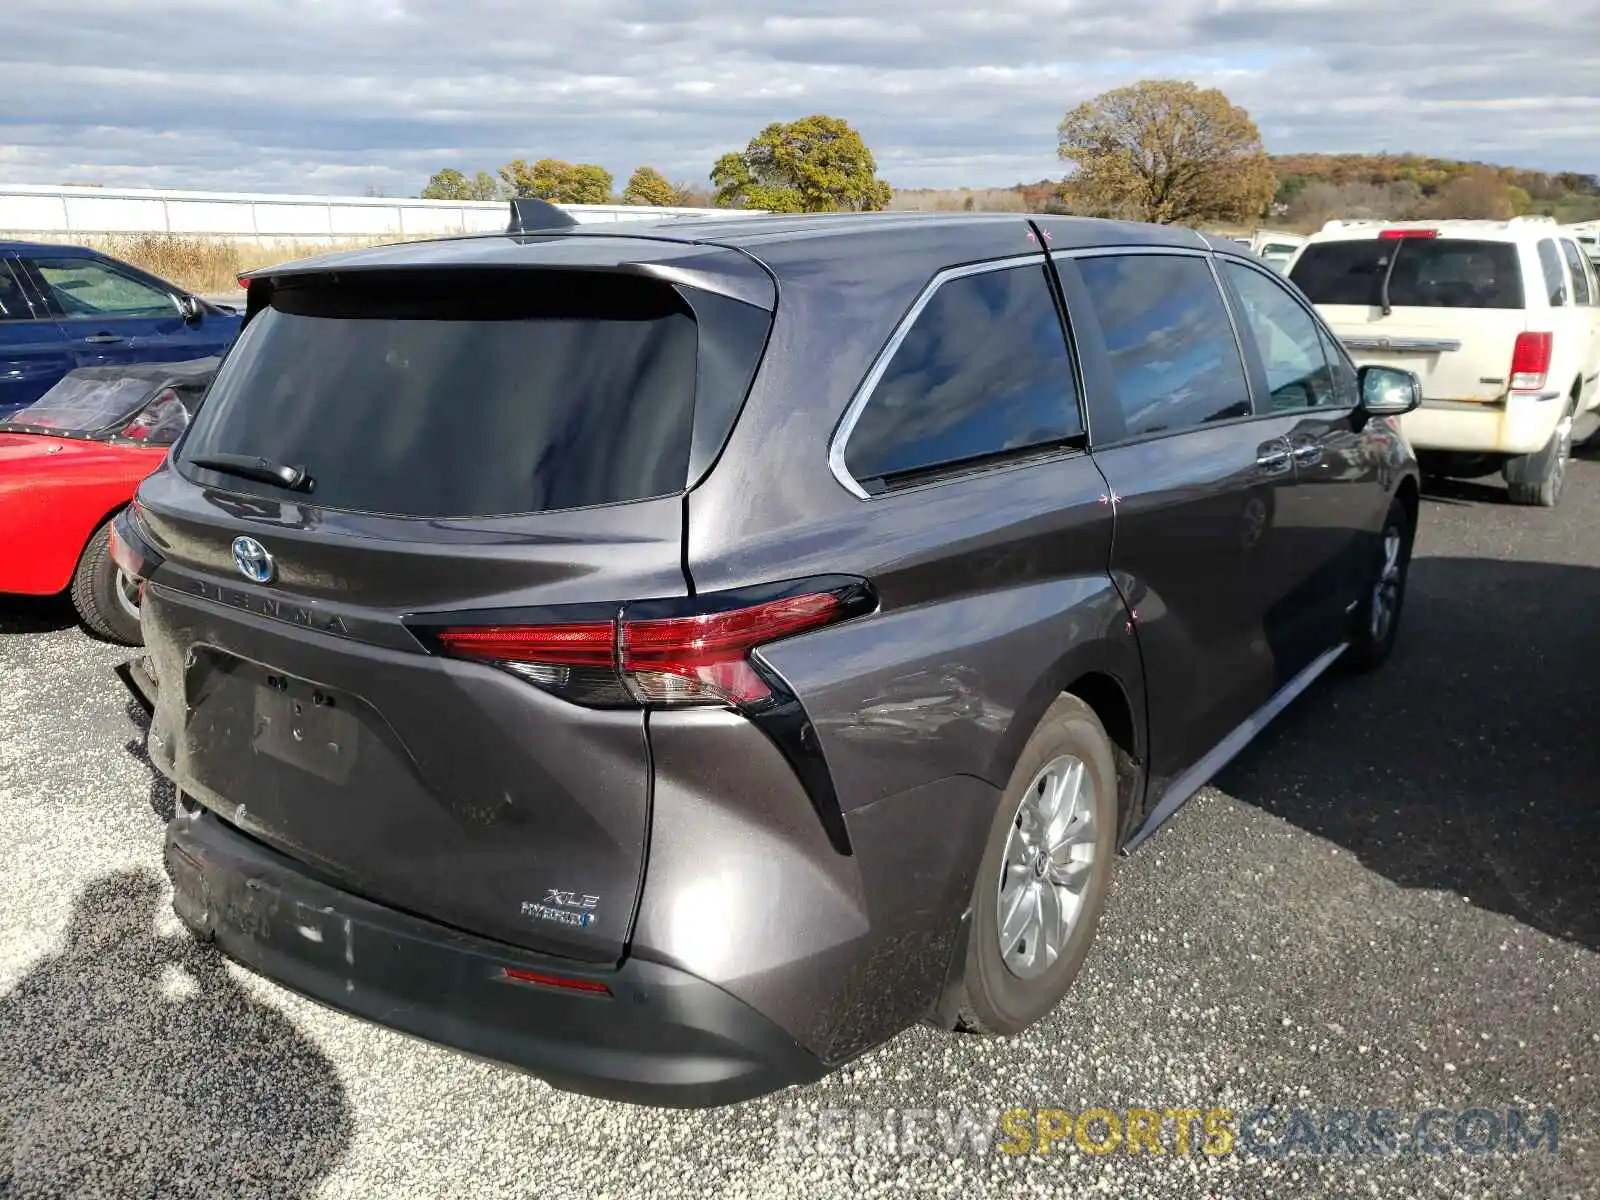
column 655, row 1035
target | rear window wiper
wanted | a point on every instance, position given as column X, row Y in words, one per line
column 249, row 466
column 1388, row 274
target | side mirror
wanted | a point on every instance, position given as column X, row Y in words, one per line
column 188, row 307
column 1387, row 392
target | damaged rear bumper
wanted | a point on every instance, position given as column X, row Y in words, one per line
column 141, row 684
column 641, row 1032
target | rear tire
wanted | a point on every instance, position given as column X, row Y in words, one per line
column 1378, row 615
column 1037, row 847
column 103, row 595
column 1537, row 480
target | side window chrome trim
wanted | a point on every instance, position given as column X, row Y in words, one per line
column 1128, row 251
column 863, row 394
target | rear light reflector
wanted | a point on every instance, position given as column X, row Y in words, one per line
column 1390, row 235
column 591, row 986
column 1530, row 361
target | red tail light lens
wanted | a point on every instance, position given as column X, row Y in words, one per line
column 1530, row 361
column 592, row 645
column 700, row 658
column 1390, row 235
column 577, row 662
column 705, row 659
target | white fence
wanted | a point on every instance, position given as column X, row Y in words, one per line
column 266, row 219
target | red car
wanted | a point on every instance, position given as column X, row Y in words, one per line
column 69, row 462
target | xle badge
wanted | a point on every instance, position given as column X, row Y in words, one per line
column 565, row 908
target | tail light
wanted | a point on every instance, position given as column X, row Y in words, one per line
column 158, row 422
column 243, row 281
column 1389, row 235
column 130, row 547
column 662, row 653
column 695, row 650
column 706, row 659
column 577, row 661
column 1530, row 361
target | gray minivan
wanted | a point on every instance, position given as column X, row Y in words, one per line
column 674, row 658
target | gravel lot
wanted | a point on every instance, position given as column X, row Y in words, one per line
column 1392, row 900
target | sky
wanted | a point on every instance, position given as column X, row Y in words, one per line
column 346, row 96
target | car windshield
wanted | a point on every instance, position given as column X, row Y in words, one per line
column 1427, row 273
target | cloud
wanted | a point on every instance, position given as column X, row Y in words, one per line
column 303, row 95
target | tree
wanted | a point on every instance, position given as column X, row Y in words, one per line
column 649, row 186
column 1477, row 195
column 557, row 181
column 694, row 195
column 448, row 184
column 815, row 164
column 451, row 184
column 1166, row 151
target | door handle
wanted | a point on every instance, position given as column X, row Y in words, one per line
column 104, row 339
column 1274, row 456
column 1308, row 453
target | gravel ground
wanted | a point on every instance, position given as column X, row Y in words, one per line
column 1391, row 900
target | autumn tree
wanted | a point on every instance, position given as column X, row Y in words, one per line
column 558, row 181
column 816, row 164
column 649, row 186
column 1477, row 195
column 1166, row 151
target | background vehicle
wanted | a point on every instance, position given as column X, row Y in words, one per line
column 1274, row 248
column 777, row 681
column 64, row 307
column 69, row 462
column 1587, row 235
column 1500, row 320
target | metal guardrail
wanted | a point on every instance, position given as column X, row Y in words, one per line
column 262, row 217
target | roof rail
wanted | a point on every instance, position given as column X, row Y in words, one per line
column 1350, row 223
column 1532, row 219
column 529, row 215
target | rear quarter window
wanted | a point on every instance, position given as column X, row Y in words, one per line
column 461, row 397
column 1422, row 272
column 982, row 371
column 1555, row 278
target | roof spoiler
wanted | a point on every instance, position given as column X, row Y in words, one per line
column 529, row 215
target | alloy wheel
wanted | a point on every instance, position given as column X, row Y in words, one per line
column 1049, row 858
column 127, row 593
column 1386, row 592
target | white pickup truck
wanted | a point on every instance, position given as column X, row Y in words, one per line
column 1499, row 319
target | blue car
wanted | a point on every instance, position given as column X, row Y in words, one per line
column 63, row 307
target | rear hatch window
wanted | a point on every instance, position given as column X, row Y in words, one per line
column 468, row 394
column 1422, row 273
